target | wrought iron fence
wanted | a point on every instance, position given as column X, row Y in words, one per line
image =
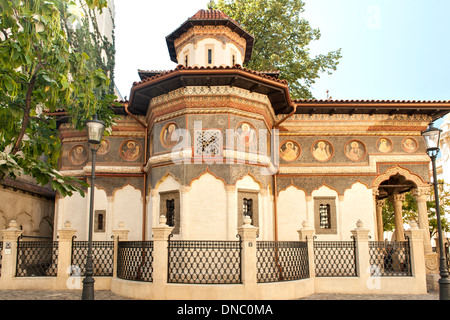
column 204, row 262
column 37, row 258
column 335, row 258
column 135, row 260
column 282, row 260
column 102, row 257
column 390, row 258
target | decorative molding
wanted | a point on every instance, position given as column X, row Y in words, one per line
column 370, row 168
column 404, row 172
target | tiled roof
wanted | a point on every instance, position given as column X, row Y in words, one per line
column 331, row 101
column 210, row 17
column 235, row 67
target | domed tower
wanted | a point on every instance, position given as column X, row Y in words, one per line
column 210, row 38
column 209, row 125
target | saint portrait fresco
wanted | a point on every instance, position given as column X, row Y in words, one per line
column 409, row 144
column 170, row 135
column 385, row 145
column 322, row 150
column 246, row 135
column 78, row 155
column 130, row 150
column 289, row 150
column 104, row 147
column 355, row 150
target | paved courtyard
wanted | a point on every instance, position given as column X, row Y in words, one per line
column 108, row 295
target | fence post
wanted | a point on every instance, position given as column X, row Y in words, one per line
column 160, row 254
column 9, row 256
column 307, row 234
column 120, row 234
column 247, row 232
column 418, row 268
column 65, row 237
column 361, row 236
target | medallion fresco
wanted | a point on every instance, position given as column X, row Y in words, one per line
column 246, row 135
column 130, row 150
column 289, row 150
column 409, row 144
column 322, row 150
column 384, row 145
column 355, row 150
column 78, row 155
column 104, row 147
column 170, row 135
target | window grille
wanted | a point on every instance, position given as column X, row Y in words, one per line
column 324, row 214
column 248, row 208
column 170, row 212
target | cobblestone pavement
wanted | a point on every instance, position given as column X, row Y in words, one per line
column 55, row 295
column 433, row 295
column 108, row 295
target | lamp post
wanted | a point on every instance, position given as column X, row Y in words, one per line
column 432, row 136
column 95, row 130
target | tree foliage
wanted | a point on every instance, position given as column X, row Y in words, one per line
column 40, row 73
column 281, row 42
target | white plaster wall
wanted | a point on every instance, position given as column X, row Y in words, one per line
column 291, row 212
column 73, row 209
column 127, row 208
column 357, row 205
column 222, row 53
column 206, row 217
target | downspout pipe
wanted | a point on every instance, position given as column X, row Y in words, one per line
column 275, row 187
column 144, row 187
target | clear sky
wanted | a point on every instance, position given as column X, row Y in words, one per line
column 392, row 49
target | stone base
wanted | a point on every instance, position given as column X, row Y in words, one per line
column 432, row 282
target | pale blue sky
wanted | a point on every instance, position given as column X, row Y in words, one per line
column 397, row 49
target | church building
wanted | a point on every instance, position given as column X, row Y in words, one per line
column 210, row 142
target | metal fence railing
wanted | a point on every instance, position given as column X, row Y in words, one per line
column 202, row 262
column 135, row 260
column 282, row 260
column 37, row 258
column 390, row 259
column 102, row 257
column 335, row 258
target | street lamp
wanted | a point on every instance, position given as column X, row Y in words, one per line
column 95, row 130
column 432, row 136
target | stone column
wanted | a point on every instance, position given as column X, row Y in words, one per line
column 65, row 237
column 120, row 234
column 160, row 254
column 379, row 211
column 9, row 255
column 361, row 236
column 397, row 201
column 307, row 234
column 421, row 195
column 247, row 232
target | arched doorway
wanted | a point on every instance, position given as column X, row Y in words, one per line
column 393, row 185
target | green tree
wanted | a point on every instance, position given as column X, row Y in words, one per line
column 281, row 43
column 41, row 73
column 409, row 209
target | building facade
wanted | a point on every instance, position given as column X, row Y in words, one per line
column 210, row 142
